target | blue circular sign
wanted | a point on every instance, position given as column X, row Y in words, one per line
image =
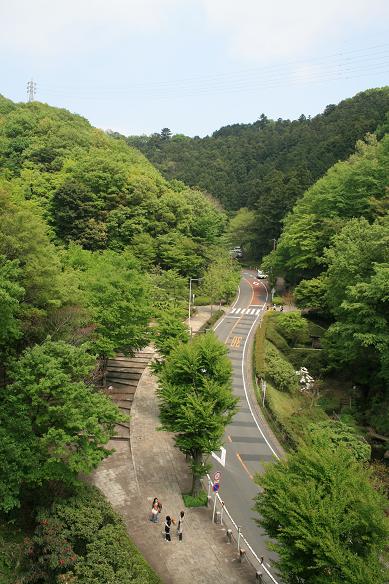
column 216, row 487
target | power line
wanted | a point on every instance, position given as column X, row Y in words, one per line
column 31, row 90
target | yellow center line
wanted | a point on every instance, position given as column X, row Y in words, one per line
column 244, row 466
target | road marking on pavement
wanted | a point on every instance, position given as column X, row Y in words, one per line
column 229, row 438
column 244, row 466
column 232, row 311
column 238, row 310
column 235, row 343
column 222, row 458
column 244, row 381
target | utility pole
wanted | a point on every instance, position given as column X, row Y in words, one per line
column 31, row 90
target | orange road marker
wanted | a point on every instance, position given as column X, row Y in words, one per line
column 244, row 466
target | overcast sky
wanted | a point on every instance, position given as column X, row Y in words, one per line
column 136, row 66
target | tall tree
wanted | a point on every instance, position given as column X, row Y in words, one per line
column 196, row 399
column 54, row 425
column 327, row 521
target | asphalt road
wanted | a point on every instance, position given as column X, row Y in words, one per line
column 249, row 443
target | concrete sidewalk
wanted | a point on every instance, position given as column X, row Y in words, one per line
column 150, row 466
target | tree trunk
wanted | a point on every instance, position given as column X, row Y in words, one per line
column 196, row 464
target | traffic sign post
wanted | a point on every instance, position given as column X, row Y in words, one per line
column 216, row 487
column 217, row 477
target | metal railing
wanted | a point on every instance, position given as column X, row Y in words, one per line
column 220, row 515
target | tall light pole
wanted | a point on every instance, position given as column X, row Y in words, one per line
column 190, row 300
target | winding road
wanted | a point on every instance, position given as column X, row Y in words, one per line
column 249, row 442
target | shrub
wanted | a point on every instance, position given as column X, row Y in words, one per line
column 278, row 370
column 82, row 536
column 334, row 433
column 314, row 361
column 293, row 327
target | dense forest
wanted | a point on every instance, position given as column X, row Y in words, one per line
column 94, row 245
column 334, row 252
column 267, row 165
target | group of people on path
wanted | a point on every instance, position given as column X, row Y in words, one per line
column 156, row 509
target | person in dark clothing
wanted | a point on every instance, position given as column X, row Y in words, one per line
column 168, row 523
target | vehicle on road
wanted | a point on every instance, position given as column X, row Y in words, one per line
column 236, row 252
column 261, row 275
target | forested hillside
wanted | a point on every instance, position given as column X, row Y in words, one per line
column 94, row 244
column 266, row 166
column 335, row 250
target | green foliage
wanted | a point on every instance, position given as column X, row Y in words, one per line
column 293, row 327
column 100, row 193
column 196, row 400
column 347, row 191
column 326, row 518
column 334, row 433
column 200, row 500
column 267, row 165
column 82, row 537
column 312, row 294
column 278, row 370
column 53, row 424
column 117, row 297
column 169, row 332
column 221, row 280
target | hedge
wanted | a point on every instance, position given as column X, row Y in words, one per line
column 81, row 539
column 278, row 370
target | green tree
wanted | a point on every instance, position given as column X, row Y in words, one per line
column 326, row 519
column 334, row 433
column 293, row 327
column 196, row 399
column 11, row 293
column 65, row 421
column 169, row 332
column 117, row 297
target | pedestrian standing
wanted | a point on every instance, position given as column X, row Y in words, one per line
column 180, row 525
column 168, row 523
column 155, row 511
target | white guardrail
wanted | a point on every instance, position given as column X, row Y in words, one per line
column 221, row 515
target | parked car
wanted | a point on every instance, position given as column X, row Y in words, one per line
column 236, row 252
column 261, row 275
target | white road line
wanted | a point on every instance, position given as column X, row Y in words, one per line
column 232, row 311
column 243, row 311
column 238, row 310
column 245, row 387
column 258, row 311
column 233, row 306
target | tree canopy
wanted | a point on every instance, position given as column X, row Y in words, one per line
column 327, row 519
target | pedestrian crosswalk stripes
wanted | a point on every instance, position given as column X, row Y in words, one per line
column 250, row 311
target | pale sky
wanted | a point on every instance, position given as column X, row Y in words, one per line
column 136, row 66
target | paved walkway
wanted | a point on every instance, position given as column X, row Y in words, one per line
column 150, row 466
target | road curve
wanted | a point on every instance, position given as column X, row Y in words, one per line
column 249, row 442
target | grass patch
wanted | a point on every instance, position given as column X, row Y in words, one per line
column 200, row 501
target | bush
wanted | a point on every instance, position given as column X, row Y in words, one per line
column 293, row 327
column 200, row 500
column 259, row 346
column 82, row 536
column 314, row 361
column 278, row 300
column 274, row 336
column 278, row 370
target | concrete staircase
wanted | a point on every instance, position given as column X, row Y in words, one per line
column 121, row 380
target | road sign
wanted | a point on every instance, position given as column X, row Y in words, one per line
column 216, row 487
column 216, row 476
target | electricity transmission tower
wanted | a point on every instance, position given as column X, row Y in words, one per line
column 31, row 90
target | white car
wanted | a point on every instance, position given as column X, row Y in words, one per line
column 261, row 275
